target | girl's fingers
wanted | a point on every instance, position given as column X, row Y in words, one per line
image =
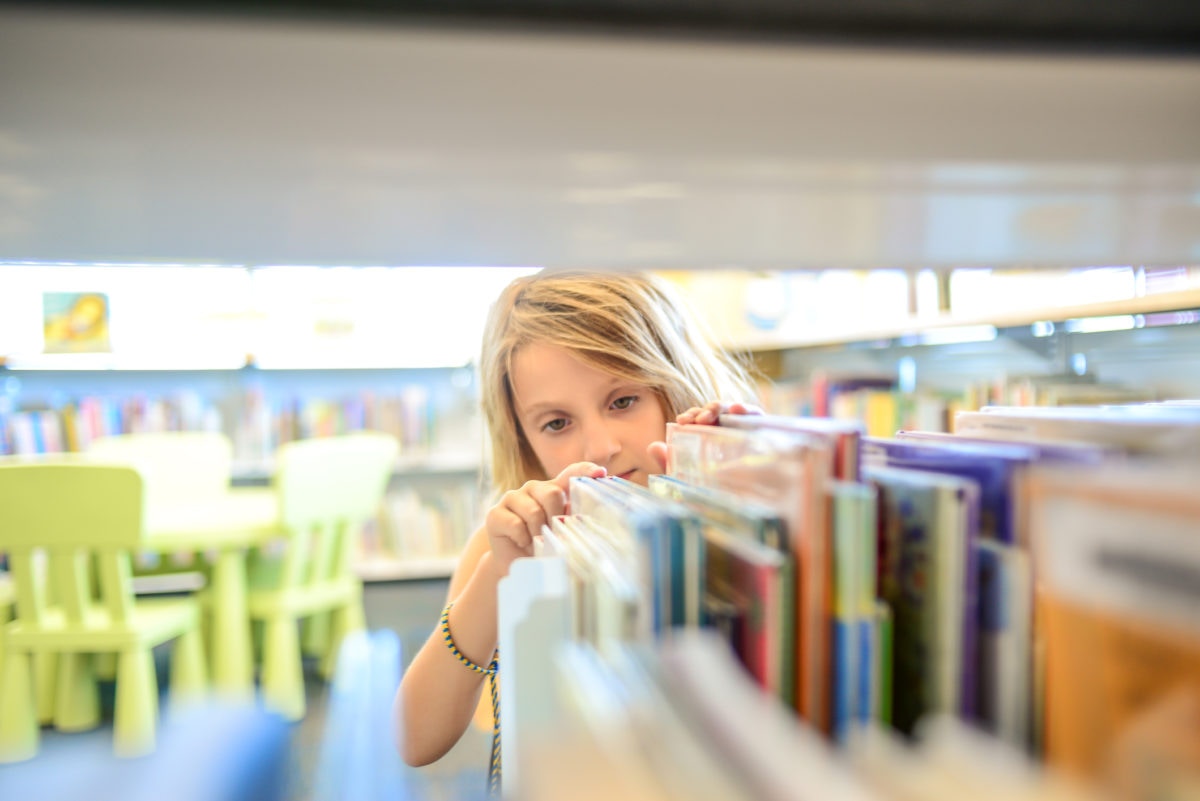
column 743, row 408
column 658, row 452
column 589, row 469
column 521, row 513
column 506, row 525
column 700, row 415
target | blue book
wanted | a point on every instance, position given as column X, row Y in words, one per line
column 667, row 538
column 852, row 510
column 684, row 548
column 725, row 514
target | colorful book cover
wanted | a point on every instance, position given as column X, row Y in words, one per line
column 1118, row 566
column 928, row 522
column 881, row 648
column 684, row 548
column 753, row 521
column 749, row 577
column 998, row 469
column 789, row 472
column 853, row 516
column 845, row 436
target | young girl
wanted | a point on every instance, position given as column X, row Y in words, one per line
column 580, row 374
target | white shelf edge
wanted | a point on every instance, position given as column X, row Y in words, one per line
column 405, row 466
column 1145, row 304
column 387, row 568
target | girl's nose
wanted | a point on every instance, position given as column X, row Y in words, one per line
column 599, row 444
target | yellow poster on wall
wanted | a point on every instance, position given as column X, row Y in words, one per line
column 75, row 322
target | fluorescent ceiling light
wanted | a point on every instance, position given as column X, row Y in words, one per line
column 958, row 334
column 1093, row 325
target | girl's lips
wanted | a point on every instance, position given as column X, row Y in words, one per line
column 627, row 474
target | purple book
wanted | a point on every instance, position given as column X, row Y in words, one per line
column 997, row 468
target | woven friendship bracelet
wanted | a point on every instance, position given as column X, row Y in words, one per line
column 487, row 671
column 491, row 671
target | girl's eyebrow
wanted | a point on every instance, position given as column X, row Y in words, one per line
column 557, row 407
column 539, row 408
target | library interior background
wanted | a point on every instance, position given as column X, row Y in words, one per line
column 246, row 258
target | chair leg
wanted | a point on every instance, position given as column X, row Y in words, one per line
column 45, row 682
column 136, row 718
column 77, row 705
column 283, row 672
column 105, row 666
column 233, row 669
column 346, row 619
column 315, row 633
column 189, row 679
column 18, row 708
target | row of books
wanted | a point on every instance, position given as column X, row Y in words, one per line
column 262, row 424
column 433, row 522
column 258, row 426
column 678, row 720
column 1040, row 589
column 883, row 407
column 72, row 426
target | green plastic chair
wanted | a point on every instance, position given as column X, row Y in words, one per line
column 187, row 478
column 56, row 518
column 7, row 597
column 327, row 488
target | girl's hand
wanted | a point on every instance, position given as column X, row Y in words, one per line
column 519, row 516
column 701, row 415
column 707, row 414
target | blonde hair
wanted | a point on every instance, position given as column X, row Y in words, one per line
column 628, row 325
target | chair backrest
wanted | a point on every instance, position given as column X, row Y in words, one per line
column 72, row 511
column 176, row 465
column 327, row 489
column 334, row 478
column 70, row 504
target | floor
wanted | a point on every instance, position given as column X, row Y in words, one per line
column 338, row 751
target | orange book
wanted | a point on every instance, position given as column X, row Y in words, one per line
column 1120, row 692
column 1117, row 565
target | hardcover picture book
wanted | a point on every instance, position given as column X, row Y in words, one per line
column 724, row 516
column 928, row 525
column 1118, row 550
column 788, row 471
column 845, row 436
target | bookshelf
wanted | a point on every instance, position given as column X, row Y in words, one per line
column 385, row 568
column 917, row 370
column 939, row 328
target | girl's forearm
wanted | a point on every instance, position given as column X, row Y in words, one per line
column 438, row 694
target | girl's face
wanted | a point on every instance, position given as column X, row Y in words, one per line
column 571, row 412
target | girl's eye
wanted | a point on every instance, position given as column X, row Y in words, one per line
column 625, row 402
column 557, row 424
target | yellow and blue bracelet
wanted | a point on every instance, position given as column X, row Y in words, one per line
column 491, row 671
